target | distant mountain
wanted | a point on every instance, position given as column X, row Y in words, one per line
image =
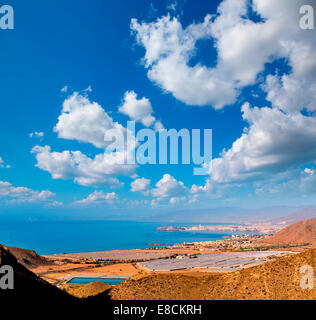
column 297, row 215
column 298, row 233
column 226, row 214
column 222, row 215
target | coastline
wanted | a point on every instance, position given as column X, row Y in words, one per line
column 89, row 236
column 237, row 252
column 141, row 262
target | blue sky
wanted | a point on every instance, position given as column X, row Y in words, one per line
column 241, row 68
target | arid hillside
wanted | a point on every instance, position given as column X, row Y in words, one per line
column 28, row 287
column 273, row 280
column 297, row 233
column 278, row 279
column 28, row 258
column 86, row 290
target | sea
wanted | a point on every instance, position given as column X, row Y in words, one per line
column 55, row 237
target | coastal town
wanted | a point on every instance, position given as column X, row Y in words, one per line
column 231, row 253
column 258, row 229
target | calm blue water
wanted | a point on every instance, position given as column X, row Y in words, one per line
column 84, row 236
column 112, row 282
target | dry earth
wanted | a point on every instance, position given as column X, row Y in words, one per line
column 302, row 232
column 86, row 290
column 274, row 280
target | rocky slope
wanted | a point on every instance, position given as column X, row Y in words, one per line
column 301, row 232
column 86, row 290
column 28, row 258
column 29, row 288
column 273, row 280
column 279, row 279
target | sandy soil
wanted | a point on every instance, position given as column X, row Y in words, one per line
column 128, row 254
column 56, row 274
column 279, row 279
column 80, row 263
column 86, row 290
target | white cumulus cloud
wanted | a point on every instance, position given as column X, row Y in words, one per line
column 99, row 197
column 36, row 134
column 24, row 195
column 275, row 141
column 241, row 53
column 101, row 170
column 169, row 48
column 280, row 138
column 139, row 110
column 168, row 187
column 140, row 185
column 85, row 121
